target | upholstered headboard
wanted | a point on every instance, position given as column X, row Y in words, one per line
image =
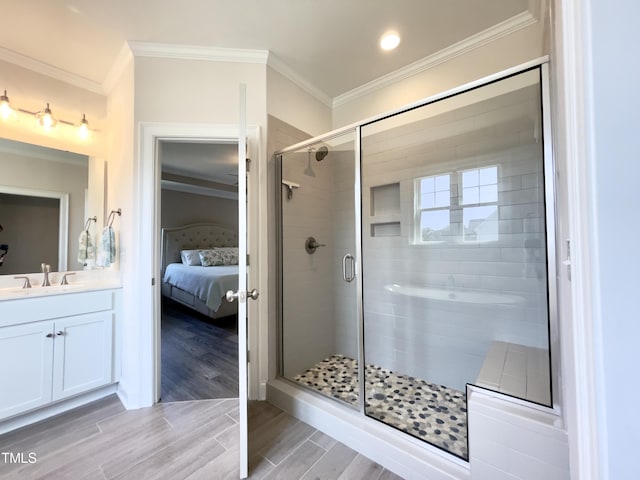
column 197, row 235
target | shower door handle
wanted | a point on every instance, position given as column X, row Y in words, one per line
column 351, row 274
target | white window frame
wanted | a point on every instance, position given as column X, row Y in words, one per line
column 454, row 176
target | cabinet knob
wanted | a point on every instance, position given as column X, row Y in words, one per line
column 49, row 335
column 59, row 333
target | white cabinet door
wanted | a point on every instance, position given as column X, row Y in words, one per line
column 25, row 367
column 82, row 355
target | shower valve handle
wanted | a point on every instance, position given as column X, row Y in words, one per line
column 311, row 245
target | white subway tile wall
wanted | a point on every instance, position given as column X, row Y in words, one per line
column 446, row 340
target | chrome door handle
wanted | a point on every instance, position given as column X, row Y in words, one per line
column 49, row 335
column 241, row 296
column 59, row 333
column 231, row 295
column 352, row 270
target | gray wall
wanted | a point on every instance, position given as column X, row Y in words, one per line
column 30, row 225
column 181, row 208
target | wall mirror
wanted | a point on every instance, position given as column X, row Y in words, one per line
column 47, row 197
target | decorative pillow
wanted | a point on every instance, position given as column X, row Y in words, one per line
column 230, row 253
column 219, row 256
column 190, row 257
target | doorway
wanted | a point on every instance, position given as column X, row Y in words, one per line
column 199, row 211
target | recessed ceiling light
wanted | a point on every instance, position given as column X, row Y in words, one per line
column 389, row 41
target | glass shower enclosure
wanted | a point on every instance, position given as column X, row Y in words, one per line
column 420, row 245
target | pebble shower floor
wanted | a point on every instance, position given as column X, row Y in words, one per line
column 434, row 413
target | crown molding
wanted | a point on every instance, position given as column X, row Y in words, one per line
column 489, row 35
column 196, row 52
column 284, row 69
column 197, row 189
column 50, row 71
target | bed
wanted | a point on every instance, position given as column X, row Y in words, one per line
column 201, row 288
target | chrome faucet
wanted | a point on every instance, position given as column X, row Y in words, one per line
column 45, row 271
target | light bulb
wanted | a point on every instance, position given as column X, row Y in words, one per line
column 389, row 41
column 6, row 111
column 83, row 128
column 45, row 118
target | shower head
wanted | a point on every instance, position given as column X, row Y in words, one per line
column 321, row 153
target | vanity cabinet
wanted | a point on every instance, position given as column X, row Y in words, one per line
column 48, row 360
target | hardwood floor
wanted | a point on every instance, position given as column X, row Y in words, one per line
column 199, row 355
column 195, row 440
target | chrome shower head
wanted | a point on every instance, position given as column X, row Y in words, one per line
column 321, row 153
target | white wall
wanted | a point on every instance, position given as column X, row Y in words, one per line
column 616, row 102
column 121, row 194
column 189, row 91
column 291, row 104
column 176, row 92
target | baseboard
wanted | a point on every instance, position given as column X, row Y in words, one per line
column 43, row 413
column 394, row 450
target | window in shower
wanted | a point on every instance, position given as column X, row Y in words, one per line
column 433, row 199
column 460, row 296
column 480, row 204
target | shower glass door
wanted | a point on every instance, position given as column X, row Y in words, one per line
column 319, row 335
column 454, row 258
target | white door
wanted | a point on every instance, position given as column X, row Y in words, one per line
column 242, row 295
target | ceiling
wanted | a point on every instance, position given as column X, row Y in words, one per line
column 330, row 44
column 213, row 162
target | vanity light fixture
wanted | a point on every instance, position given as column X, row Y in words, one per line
column 390, row 40
column 45, row 118
column 6, row 112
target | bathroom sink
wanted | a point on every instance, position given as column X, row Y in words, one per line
column 8, row 293
column 453, row 295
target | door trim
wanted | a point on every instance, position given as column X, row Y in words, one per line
column 147, row 265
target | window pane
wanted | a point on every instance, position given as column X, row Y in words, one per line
column 443, row 199
column 488, row 175
column 470, row 178
column 427, row 185
column 434, row 224
column 442, row 183
column 470, row 195
column 480, row 223
column 427, row 200
column 489, row 193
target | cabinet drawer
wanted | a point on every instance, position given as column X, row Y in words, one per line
column 27, row 310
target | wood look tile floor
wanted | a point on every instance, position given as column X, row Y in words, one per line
column 199, row 355
column 193, row 440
